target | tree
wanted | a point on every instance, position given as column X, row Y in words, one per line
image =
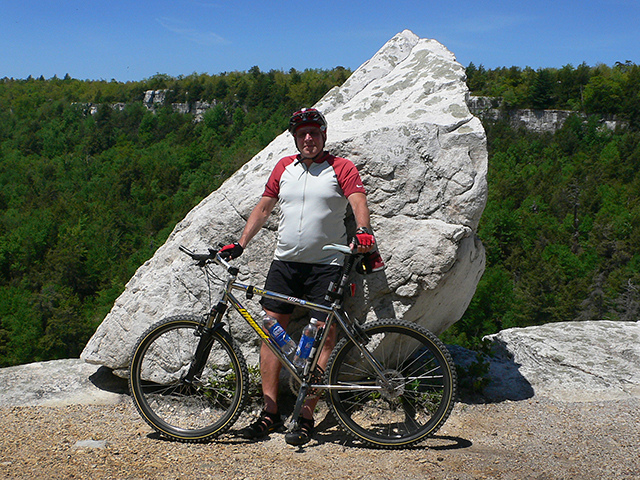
column 603, row 95
column 542, row 90
column 560, row 229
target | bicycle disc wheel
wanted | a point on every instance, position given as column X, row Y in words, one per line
column 193, row 411
column 412, row 397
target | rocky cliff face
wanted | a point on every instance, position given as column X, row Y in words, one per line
column 403, row 120
column 540, row 121
column 157, row 98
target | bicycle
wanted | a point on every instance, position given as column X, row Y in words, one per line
column 388, row 383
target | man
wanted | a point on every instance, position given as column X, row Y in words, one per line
column 314, row 189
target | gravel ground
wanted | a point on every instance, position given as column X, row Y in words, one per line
column 529, row 439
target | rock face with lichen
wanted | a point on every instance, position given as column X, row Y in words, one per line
column 402, row 118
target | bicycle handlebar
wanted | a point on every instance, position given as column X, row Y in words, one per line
column 200, row 257
column 339, row 248
column 203, row 258
column 212, row 255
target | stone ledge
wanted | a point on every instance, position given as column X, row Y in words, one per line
column 59, row 383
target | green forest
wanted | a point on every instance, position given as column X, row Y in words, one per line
column 561, row 227
column 86, row 198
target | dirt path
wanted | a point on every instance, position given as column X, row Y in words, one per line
column 531, row 439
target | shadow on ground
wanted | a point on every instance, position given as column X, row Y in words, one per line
column 488, row 379
column 104, row 379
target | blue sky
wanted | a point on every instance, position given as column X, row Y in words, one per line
column 135, row 39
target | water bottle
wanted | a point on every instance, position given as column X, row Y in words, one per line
column 306, row 343
column 284, row 341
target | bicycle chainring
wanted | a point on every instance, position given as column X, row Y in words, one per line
column 317, row 377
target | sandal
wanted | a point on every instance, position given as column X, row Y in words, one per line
column 302, row 434
column 265, row 424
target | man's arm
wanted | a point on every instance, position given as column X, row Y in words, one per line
column 257, row 219
column 360, row 209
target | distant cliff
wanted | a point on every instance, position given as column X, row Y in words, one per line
column 490, row 108
column 155, row 98
column 485, row 108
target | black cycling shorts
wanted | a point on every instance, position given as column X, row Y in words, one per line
column 302, row 280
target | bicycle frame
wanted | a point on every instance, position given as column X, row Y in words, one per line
column 335, row 313
column 251, row 290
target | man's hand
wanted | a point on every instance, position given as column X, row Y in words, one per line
column 231, row 251
column 365, row 241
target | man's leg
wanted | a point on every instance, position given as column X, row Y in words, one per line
column 305, row 421
column 316, row 285
column 310, row 404
column 270, row 368
column 270, row 419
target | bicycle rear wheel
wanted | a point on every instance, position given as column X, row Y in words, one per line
column 187, row 411
column 409, row 402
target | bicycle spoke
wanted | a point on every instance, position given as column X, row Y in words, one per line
column 412, row 397
column 187, row 411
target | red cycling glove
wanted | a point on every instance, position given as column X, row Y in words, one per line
column 364, row 237
column 231, row 251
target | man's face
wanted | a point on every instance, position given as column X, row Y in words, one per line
column 310, row 141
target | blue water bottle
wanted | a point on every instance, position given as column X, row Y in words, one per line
column 284, row 341
column 306, row 343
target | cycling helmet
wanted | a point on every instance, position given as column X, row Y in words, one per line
column 307, row 116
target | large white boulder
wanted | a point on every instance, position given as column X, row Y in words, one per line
column 402, row 118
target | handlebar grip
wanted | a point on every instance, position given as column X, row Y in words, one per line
column 199, row 257
column 339, row 248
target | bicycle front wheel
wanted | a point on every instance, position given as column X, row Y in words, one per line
column 408, row 400
column 187, row 410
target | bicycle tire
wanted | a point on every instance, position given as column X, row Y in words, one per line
column 187, row 412
column 420, row 394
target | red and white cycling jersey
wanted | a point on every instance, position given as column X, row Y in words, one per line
column 313, row 204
